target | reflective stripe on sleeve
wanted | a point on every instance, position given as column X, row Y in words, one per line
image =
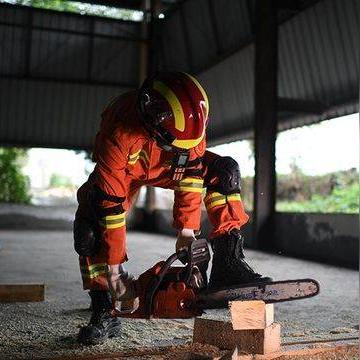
column 217, row 199
column 141, row 154
column 214, row 199
column 133, row 158
column 190, row 185
column 233, row 197
column 113, row 221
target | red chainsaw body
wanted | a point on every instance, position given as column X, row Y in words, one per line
column 167, row 291
column 173, row 299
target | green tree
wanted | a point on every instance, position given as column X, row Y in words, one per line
column 57, row 180
column 14, row 185
column 82, row 8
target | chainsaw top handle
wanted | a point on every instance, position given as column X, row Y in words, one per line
column 197, row 253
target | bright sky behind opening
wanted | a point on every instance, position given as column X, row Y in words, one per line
column 317, row 149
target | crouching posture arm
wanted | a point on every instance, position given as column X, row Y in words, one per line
column 155, row 136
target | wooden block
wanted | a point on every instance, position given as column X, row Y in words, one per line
column 22, row 292
column 247, row 315
column 222, row 335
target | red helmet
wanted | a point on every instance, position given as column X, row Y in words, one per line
column 174, row 109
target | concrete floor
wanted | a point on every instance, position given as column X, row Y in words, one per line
column 48, row 329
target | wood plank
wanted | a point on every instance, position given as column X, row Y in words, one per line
column 198, row 351
column 248, row 315
column 222, row 335
column 22, row 292
column 321, row 353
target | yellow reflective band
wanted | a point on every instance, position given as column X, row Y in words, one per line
column 114, row 217
column 212, row 204
column 134, row 155
column 174, row 103
column 144, row 156
column 212, row 195
column 188, row 189
column 93, row 266
column 141, row 154
column 234, row 197
column 93, row 274
column 116, row 225
column 216, row 199
column 196, row 185
column 202, row 92
column 113, row 221
column 191, row 180
column 93, row 271
column 188, row 144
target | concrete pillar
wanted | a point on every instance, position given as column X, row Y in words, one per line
column 147, row 67
column 266, row 49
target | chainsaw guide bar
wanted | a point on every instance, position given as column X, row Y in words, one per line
column 271, row 292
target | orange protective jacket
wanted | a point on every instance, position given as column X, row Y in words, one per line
column 127, row 158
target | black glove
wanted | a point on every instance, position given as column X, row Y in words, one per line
column 85, row 238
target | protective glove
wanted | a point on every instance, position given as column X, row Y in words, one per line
column 184, row 239
column 85, row 238
column 122, row 289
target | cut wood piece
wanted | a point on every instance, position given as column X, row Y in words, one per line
column 222, row 335
column 22, row 292
column 247, row 315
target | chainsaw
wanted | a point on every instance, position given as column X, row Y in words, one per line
column 167, row 291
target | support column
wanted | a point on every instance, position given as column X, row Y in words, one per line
column 266, row 48
column 148, row 64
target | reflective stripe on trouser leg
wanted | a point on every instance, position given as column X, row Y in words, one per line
column 226, row 212
column 112, row 251
column 93, row 273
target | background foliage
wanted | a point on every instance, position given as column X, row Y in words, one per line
column 336, row 192
column 14, row 185
column 80, row 8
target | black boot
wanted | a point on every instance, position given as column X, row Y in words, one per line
column 101, row 325
column 228, row 265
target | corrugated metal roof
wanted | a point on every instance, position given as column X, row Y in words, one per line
column 55, row 79
column 50, row 113
column 57, row 71
column 318, row 61
column 36, row 43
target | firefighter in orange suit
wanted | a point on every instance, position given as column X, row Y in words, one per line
column 155, row 136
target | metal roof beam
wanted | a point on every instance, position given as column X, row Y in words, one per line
column 244, row 42
column 293, row 5
column 121, row 4
column 301, row 106
column 214, row 27
column 186, row 36
column 31, row 27
column 81, row 81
